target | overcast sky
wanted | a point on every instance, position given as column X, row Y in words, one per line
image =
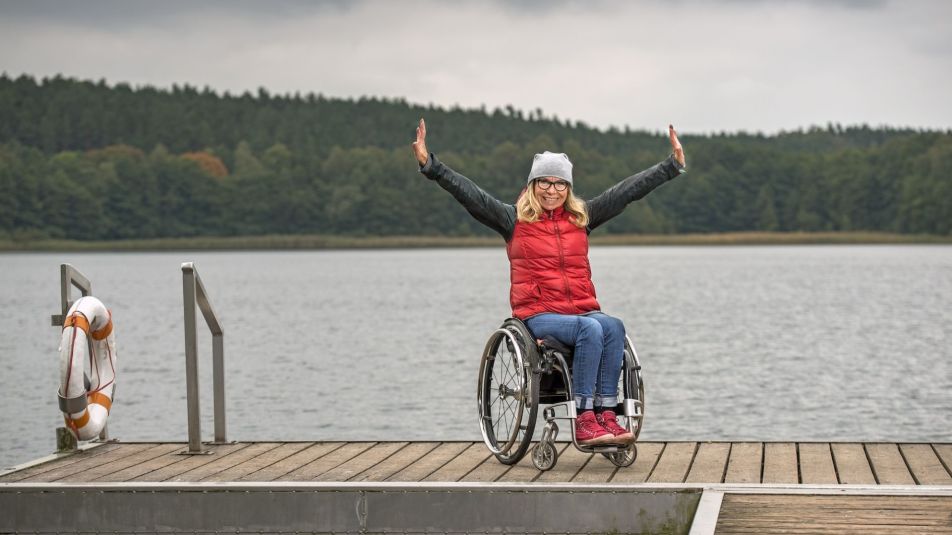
column 717, row 65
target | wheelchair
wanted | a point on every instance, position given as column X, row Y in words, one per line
column 518, row 376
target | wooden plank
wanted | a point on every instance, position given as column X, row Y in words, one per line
column 397, row 462
column 184, row 463
column 852, row 466
column 710, row 463
column 335, row 458
column 461, row 465
column 570, row 461
column 431, row 462
column 944, row 451
column 816, row 464
column 834, row 514
column 777, row 503
column 61, row 462
column 117, row 465
column 674, row 463
column 139, row 469
column 887, row 464
column 255, row 464
column 925, row 465
column 490, row 469
column 224, row 462
column 598, row 470
column 358, row 464
column 780, row 463
column 294, row 462
column 746, row 463
column 87, row 463
column 524, row 471
column 638, row 472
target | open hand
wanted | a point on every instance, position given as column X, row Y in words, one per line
column 675, row 144
column 419, row 146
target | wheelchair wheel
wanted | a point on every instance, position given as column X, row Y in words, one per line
column 625, row 457
column 508, row 391
column 544, row 455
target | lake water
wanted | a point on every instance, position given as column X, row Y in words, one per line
column 738, row 343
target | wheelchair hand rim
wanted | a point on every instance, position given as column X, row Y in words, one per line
column 489, row 434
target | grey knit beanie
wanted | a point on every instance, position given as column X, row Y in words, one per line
column 554, row 164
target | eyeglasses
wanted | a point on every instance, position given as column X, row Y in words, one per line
column 559, row 185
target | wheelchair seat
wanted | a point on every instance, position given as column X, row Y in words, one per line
column 551, row 343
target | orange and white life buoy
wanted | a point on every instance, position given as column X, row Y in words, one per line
column 88, row 337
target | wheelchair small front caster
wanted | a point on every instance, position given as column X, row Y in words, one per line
column 623, row 458
column 544, row 456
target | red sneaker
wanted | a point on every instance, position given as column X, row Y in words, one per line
column 589, row 433
column 609, row 422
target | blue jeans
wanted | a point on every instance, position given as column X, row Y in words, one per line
column 599, row 341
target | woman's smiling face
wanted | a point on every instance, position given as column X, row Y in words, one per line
column 546, row 190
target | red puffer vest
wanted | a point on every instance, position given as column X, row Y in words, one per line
column 548, row 267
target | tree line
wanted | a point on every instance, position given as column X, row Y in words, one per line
column 88, row 160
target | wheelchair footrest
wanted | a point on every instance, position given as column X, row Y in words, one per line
column 604, row 449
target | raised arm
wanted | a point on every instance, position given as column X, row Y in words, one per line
column 611, row 202
column 419, row 146
column 485, row 208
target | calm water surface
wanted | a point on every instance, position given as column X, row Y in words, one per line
column 753, row 343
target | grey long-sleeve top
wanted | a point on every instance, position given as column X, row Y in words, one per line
column 501, row 216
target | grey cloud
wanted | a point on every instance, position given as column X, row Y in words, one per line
column 705, row 65
column 850, row 4
column 114, row 14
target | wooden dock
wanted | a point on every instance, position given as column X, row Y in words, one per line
column 747, row 487
column 698, row 463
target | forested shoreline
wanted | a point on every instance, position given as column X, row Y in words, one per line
column 83, row 160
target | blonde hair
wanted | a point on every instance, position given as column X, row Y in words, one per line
column 528, row 209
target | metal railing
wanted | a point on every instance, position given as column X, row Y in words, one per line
column 195, row 295
column 70, row 277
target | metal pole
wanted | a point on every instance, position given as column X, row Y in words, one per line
column 69, row 277
column 218, row 356
column 66, row 289
column 218, row 379
column 191, row 360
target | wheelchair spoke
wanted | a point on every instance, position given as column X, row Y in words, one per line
column 506, row 359
column 506, row 423
column 510, row 410
column 501, row 379
column 493, row 408
column 504, row 411
column 506, row 392
column 499, row 425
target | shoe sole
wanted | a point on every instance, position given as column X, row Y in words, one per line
column 603, row 440
column 623, row 440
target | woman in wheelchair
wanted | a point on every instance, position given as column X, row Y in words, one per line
column 546, row 234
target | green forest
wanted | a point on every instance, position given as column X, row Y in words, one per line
column 91, row 160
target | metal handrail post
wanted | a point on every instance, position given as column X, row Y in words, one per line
column 218, row 356
column 191, row 362
column 195, row 296
column 218, row 383
column 69, row 277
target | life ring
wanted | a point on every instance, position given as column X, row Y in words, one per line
column 85, row 400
